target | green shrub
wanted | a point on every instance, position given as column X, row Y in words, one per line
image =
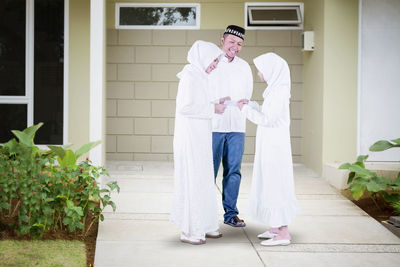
column 362, row 180
column 45, row 190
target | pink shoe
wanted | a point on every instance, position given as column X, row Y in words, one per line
column 267, row 235
column 214, row 234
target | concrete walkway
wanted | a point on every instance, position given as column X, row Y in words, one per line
column 328, row 231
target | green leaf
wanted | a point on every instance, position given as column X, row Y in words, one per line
column 70, row 203
column 59, row 151
column 86, row 148
column 23, row 138
column 362, row 158
column 381, row 146
column 113, row 186
column 361, row 171
column 80, row 225
column 69, row 159
column 11, row 145
column 376, row 186
column 4, row 205
column 31, row 131
column 67, row 220
column 397, row 141
column 345, row 166
column 394, row 197
column 106, row 198
column 48, row 210
column 39, row 225
column 112, row 205
column 24, row 218
column 359, row 163
column 357, row 190
column 25, row 229
column 101, row 217
column 79, row 210
column 351, row 177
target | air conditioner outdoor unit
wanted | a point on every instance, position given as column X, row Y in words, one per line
column 274, row 15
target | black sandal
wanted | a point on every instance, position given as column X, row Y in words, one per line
column 235, row 222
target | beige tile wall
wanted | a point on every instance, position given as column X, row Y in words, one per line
column 142, row 86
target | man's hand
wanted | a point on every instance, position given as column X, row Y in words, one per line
column 242, row 102
column 222, row 100
column 219, row 108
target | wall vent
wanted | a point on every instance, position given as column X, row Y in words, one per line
column 274, row 15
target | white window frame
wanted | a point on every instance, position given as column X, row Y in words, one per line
column 273, row 5
column 28, row 98
column 157, row 27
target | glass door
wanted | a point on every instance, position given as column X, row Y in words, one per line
column 32, row 68
column 14, row 98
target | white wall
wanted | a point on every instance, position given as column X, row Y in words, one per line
column 379, row 80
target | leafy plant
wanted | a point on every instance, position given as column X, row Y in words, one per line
column 67, row 158
column 362, row 180
column 41, row 191
column 382, row 145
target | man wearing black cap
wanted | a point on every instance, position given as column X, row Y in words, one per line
column 232, row 78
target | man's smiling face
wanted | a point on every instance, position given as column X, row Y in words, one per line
column 231, row 45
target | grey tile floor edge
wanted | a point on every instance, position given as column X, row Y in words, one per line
column 328, row 231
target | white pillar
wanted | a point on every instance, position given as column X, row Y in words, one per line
column 96, row 79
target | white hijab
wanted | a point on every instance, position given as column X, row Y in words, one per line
column 276, row 73
column 200, row 56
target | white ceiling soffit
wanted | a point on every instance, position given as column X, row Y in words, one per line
column 274, row 15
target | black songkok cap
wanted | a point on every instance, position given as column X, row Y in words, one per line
column 235, row 30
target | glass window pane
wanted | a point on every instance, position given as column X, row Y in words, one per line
column 12, row 117
column 158, row 16
column 49, row 69
column 12, row 47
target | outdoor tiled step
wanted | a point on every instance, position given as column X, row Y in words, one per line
column 306, row 259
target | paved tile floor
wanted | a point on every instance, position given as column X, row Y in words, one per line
column 328, row 231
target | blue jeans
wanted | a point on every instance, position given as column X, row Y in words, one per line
column 229, row 147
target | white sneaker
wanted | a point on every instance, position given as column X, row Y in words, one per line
column 267, row 235
column 191, row 240
column 214, row 234
column 272, row 242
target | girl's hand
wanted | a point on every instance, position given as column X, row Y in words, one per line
column 242, row 102
column 219, row 108
column 222, row 100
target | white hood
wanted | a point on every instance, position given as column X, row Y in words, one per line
column 276, row 73
column 201, row 55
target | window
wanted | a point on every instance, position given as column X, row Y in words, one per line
column 157, row 16
column 32, row 71
column 274, row 15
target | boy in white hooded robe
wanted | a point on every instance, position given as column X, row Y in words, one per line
column 272, row 199
column 194, row 209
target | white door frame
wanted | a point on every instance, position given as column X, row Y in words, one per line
column 97, row 16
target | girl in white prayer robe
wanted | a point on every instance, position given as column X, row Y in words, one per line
column 272, row 199
column 194, row 209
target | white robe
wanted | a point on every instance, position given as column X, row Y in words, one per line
column 232, row 79
column 272, row 198
column 195, row 204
